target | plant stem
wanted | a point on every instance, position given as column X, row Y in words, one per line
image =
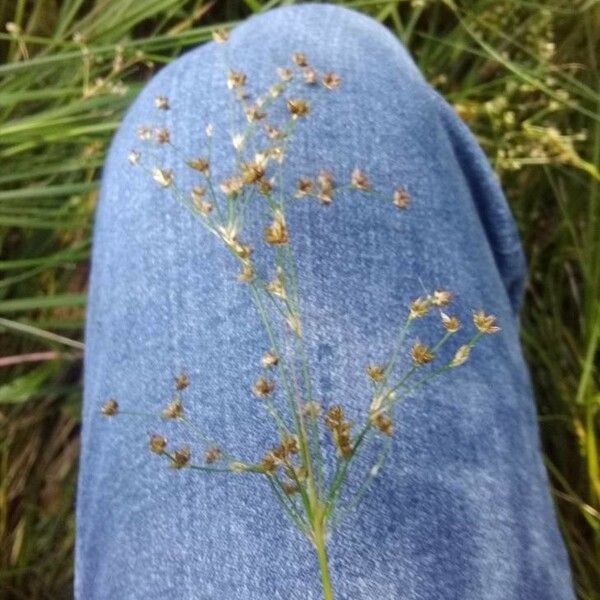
column 320, row 547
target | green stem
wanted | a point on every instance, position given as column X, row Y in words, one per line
column 321, row 549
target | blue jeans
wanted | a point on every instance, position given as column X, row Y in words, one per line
column 462, row 508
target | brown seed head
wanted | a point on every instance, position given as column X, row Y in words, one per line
column 276, row 233
column 297, row 107
column 290, row 443
column 419, row 308
column 305, row 187
column 144, row 133
column 451, row 324
column 254, row 113
column 200, row 164
column 252, row 172
column 334, row 416
column 360, row 181
column 157, row 443
column 421, row 354
column 289, row 487
column 164, row 177
column 181, row 458
column 401, row 198
column 331, row 81
column 274, row 133
column 236, row 79
column 485, row 323
column 284, row 74
column 263, row 387
column 212, row 455
column 442, row 297
column 248, row 274
column 269, row 359
column 162, row 135
column 110, row 408
column 162, row 103
column 268, row 464
column 309, row 75
column 173, row 410
column 376, row 373
column 220, row 36
column 300, row 59
column 181, row 381
column 233, row 186
column 383, row 423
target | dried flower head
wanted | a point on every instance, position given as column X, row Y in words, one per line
column 401, row 198
column 309, row 75
column 332, row 81
column 334, row 416
column 173, row 410
column 360, row 181
column 252, row 172
column 305, row 187
column 110, row 408
column 485, row 323
column 248, row 274
column 290, row 487
column 421, row 354
column 236, row 79
column 274, row 133
column 284, row 74
column 326, row 184
column 181, row 381
column 269, row 359
column 212, row 455
column 144, row 133
column 157, row 443
column 268, row 464
column 376, row 373
column 312, row 409
column 442, row 297
column 300, row 59
column 451, row 324
column 181, row 458
column 419, row 308
column 276, row 233
column 293, row 323
column 277, row 285
column 383, row 422
column 134, row 157
column 461, row 356
column 164, row 177
column 198, row 193
column 200, row 164
column 290, row 444
column 220, row 36
column 297, row 107
column 263, row 387
column 233, row 186
column 254, row 113
column 162, row 135
column 162, row 103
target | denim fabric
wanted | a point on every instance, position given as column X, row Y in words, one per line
column 462, row 508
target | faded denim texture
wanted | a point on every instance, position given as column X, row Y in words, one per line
column 462, row 509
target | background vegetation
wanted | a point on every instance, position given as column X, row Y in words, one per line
column 523, row 73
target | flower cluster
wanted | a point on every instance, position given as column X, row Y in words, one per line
column 310, row 436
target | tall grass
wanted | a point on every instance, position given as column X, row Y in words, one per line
column 524, row 74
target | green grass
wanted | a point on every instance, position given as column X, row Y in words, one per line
column 535, row 109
